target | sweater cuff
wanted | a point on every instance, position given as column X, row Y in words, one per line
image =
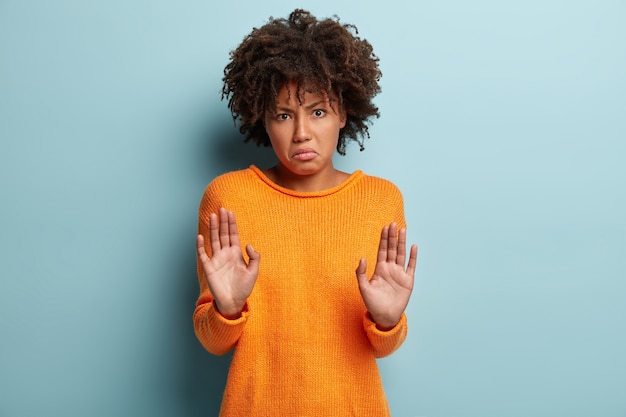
column 217, row 333
column 226, row 321
column 385, row 342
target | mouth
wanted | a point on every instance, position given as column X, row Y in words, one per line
column 304, row 154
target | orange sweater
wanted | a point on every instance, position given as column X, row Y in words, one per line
column 305, row 345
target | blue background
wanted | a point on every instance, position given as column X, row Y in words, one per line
column 503, row 123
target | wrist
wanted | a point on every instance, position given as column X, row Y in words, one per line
column 383, row 324
column 231, row 312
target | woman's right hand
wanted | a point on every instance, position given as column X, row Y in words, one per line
column 229, row 278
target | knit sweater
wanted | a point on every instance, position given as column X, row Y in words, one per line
column 305, row 344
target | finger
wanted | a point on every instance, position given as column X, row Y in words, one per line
column 232, row 229
column 200, row 247
column 412, row 261
column 214, row 233
column 401, row 247
column 224, row 236
column 382, row 246
column 361, row 273
column 255, row 258
column 392, row 249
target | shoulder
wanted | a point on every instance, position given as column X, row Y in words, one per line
column 229, row 181
column 226, row 187
column 378, row 184
column 380, row 192
column 387, row 197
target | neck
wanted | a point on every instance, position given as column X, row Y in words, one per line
column 306, row 183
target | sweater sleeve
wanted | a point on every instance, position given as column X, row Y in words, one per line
column 216, row 333
column 384, row 343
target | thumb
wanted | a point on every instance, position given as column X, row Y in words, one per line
column 361, row 272
column 255, row 257
column 200, row 246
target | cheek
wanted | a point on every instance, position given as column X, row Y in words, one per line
column 269, row 130
column 276, row 137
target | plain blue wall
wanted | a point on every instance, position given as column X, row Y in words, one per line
column 504, row 124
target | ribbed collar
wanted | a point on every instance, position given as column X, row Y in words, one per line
column 349, row 182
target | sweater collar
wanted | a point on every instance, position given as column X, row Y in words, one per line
column 353, row 178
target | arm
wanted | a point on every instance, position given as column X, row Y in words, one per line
column 226, row 281
column 386, row 294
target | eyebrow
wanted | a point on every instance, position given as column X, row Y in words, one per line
column 308, row 107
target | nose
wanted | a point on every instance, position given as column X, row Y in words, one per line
column 302, row 131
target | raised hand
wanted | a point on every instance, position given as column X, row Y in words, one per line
column 387, row 293
column 229, row 278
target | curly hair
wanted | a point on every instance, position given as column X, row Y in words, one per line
column 324, row 55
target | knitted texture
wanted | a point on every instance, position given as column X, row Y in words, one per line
column 305, row 344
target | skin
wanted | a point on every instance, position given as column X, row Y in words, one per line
column 304, row 138
column 229, row 278
column 311, row 127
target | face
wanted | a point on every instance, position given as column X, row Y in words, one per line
column 304, row 135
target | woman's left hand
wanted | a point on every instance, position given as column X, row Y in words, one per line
column 387, row 293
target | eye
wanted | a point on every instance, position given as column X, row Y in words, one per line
column 282, row 116
column 319, row 113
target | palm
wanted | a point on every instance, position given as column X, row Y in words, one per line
column 229, row 278
column 387, row 293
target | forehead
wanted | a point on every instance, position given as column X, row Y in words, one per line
column 292, row 93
